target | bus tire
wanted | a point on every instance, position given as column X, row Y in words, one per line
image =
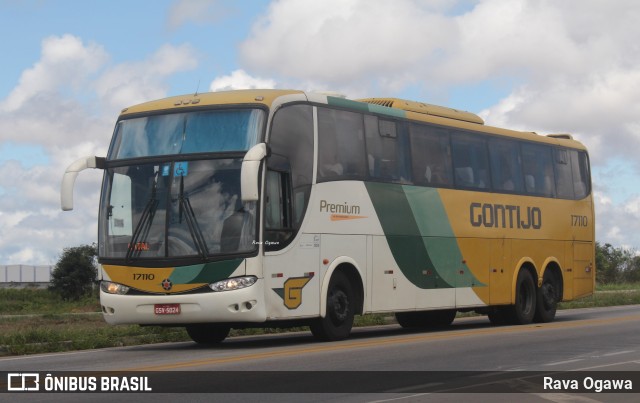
column 499, row 315
column 409, row 320
column 208, row 333
column 443, row 318
column 338, row 321
column 426, row 319
column 522, row 312
column 547, row 298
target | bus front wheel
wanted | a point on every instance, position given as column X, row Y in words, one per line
column 337, row 323
column 208, row 333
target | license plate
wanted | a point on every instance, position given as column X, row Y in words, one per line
column 166, row 309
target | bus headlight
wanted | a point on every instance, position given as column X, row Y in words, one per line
column 235, row 283
column 113, row 288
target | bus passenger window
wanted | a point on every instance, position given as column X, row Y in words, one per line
column 470, row 161
column 385, row 150
column 289, row 174
column 580, row 169
column 278, row 228
column 506, row 173
column 537, row 167
column 430, row 156
column 341, row 153
column 564, row 180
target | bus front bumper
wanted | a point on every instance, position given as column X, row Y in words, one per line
column 243, row 305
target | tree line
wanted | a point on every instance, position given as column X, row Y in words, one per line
column 616, row 265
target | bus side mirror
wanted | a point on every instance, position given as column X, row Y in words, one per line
column 70, row 175
column 250, row 170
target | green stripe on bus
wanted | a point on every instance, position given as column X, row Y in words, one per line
column 420, row 237
column 205, row 273
column 348, row 104
column 365, row 107
column 383, row 110
column 438, row 237
column 403, row 236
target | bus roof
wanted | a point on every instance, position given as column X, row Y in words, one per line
column 388, row 106
column 427, row 109
column 236, row 97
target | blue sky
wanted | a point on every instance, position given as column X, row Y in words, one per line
column 128, row 31
column 70, row 66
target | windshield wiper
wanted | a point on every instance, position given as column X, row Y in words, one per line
column 192, row 222
column 143, row 227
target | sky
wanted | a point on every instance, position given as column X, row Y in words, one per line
column 69, row 66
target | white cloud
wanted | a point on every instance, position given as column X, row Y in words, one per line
column 602, row 110
column 574, row 57
column 575, row 61
column 572, row 66
column 194, row 11
column 134, row 82
column 67, row 103
column 338, row 42
column 65, row 62
column 239, row 79
column 632, row 207
column 590, row 88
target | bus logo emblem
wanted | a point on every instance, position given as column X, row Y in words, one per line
column 166, row 284
column 291, row 294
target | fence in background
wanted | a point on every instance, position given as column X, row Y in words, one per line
column 22, row 275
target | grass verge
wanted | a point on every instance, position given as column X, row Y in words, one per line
column 37, row 321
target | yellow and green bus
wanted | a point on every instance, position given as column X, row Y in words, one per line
column 265, row 208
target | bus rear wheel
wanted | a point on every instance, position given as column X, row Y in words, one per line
column 522, row 312
column 547, row 298
column 338, row 321
column 208, row 333
column 499, row 315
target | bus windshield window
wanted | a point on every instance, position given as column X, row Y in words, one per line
column 186, row 133
column 175, row 209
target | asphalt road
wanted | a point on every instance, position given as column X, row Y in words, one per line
column 509, row 358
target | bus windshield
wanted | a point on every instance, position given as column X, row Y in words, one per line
column 225, row 130
column 185, row 202
column 175, row 209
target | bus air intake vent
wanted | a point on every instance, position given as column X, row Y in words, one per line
column 382, row 102
column 561, row 136
column 427, row 109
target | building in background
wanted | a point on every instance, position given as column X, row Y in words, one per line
column 21, row 275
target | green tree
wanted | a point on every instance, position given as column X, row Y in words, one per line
column 616, row 265
column 75, row 273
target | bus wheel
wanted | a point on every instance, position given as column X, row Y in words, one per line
column 498, row 315
column 337, row 323
column 523, row 310
column 427, row 319
column 442, row 318
column 547, row 299
column 208, row 333
column 409, row 319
